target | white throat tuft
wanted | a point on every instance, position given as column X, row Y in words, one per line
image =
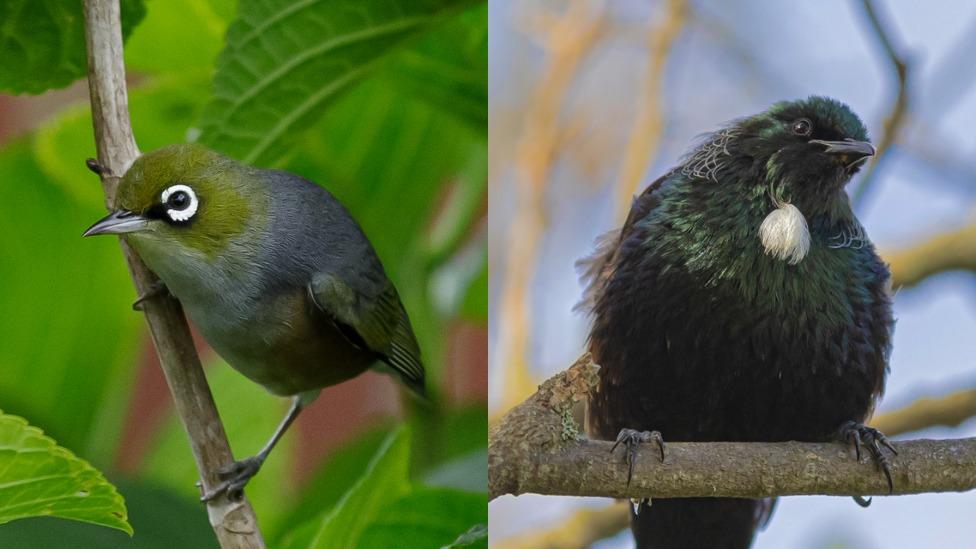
column 784, row 233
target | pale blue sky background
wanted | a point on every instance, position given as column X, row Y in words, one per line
column 775, row 50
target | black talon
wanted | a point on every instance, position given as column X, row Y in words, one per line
column 861, row 435
column 884, row 441
column 234, row 477
column 636, row 504
column 632, row 438
column 862, row 501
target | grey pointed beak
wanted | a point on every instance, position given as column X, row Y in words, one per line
column 118, row 222
column 851, row 148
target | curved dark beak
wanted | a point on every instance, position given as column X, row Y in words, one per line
column 851, row 151
column 118, row 222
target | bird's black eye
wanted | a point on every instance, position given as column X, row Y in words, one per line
column 178, row 200
column 802, row 127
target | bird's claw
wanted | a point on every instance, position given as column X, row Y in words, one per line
column 637, row 503
column 631, row 438
column 858, row 434
column 233, row 478
column 862, row 501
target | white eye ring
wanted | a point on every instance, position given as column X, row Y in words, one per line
column 186, row 213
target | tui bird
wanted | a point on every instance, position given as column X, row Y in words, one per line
column 742, row 301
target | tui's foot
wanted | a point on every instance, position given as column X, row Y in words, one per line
column 637, row 503
column 859, row 435
column 631, row 439
column 862, row 501
column 157, row 289
column 234, row 477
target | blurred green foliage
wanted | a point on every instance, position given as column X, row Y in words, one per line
column 42, row 42
column 382, row 101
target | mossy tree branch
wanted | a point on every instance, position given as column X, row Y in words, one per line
column 536, row 449
column 234, row 522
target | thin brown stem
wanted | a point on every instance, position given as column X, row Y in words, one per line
column 645, row 133
column 579, row 530
column 569, row 38
column 233, row 522
column 948, row 251
column 946, row 411
column 899, row 109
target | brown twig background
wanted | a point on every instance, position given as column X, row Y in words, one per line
column 896, row 117
column 649, row 120
column 567, row 40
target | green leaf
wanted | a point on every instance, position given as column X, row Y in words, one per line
column 285, row 61
column 449, row 68
column 161, row 520
column 250, row 414
column 426, row 517
column 333, row 478
column 475, row 537
column 40, row 478
column 468, row 472
column 42, row 42
column 466, row 434
column 463, row 431
column 69, row 338
column 475, row 304
column 384, row 480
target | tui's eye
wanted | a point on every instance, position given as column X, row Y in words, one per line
column 180, row 202
column 802, row 127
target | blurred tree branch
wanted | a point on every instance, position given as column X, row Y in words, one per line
column 568, row 39
column 233, row 522
column 948, row 411
column 645, row 134
column 893, row 122
column 577, row 531
column 948, row 251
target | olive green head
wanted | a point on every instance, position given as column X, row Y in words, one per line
column 184, row 199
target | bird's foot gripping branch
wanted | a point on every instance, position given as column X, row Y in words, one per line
column 537, row 448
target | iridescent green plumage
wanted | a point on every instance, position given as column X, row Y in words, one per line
column 706, row 332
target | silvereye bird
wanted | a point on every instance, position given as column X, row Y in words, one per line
column 273, row 271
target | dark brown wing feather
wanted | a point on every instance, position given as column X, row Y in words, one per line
column 596, row 269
